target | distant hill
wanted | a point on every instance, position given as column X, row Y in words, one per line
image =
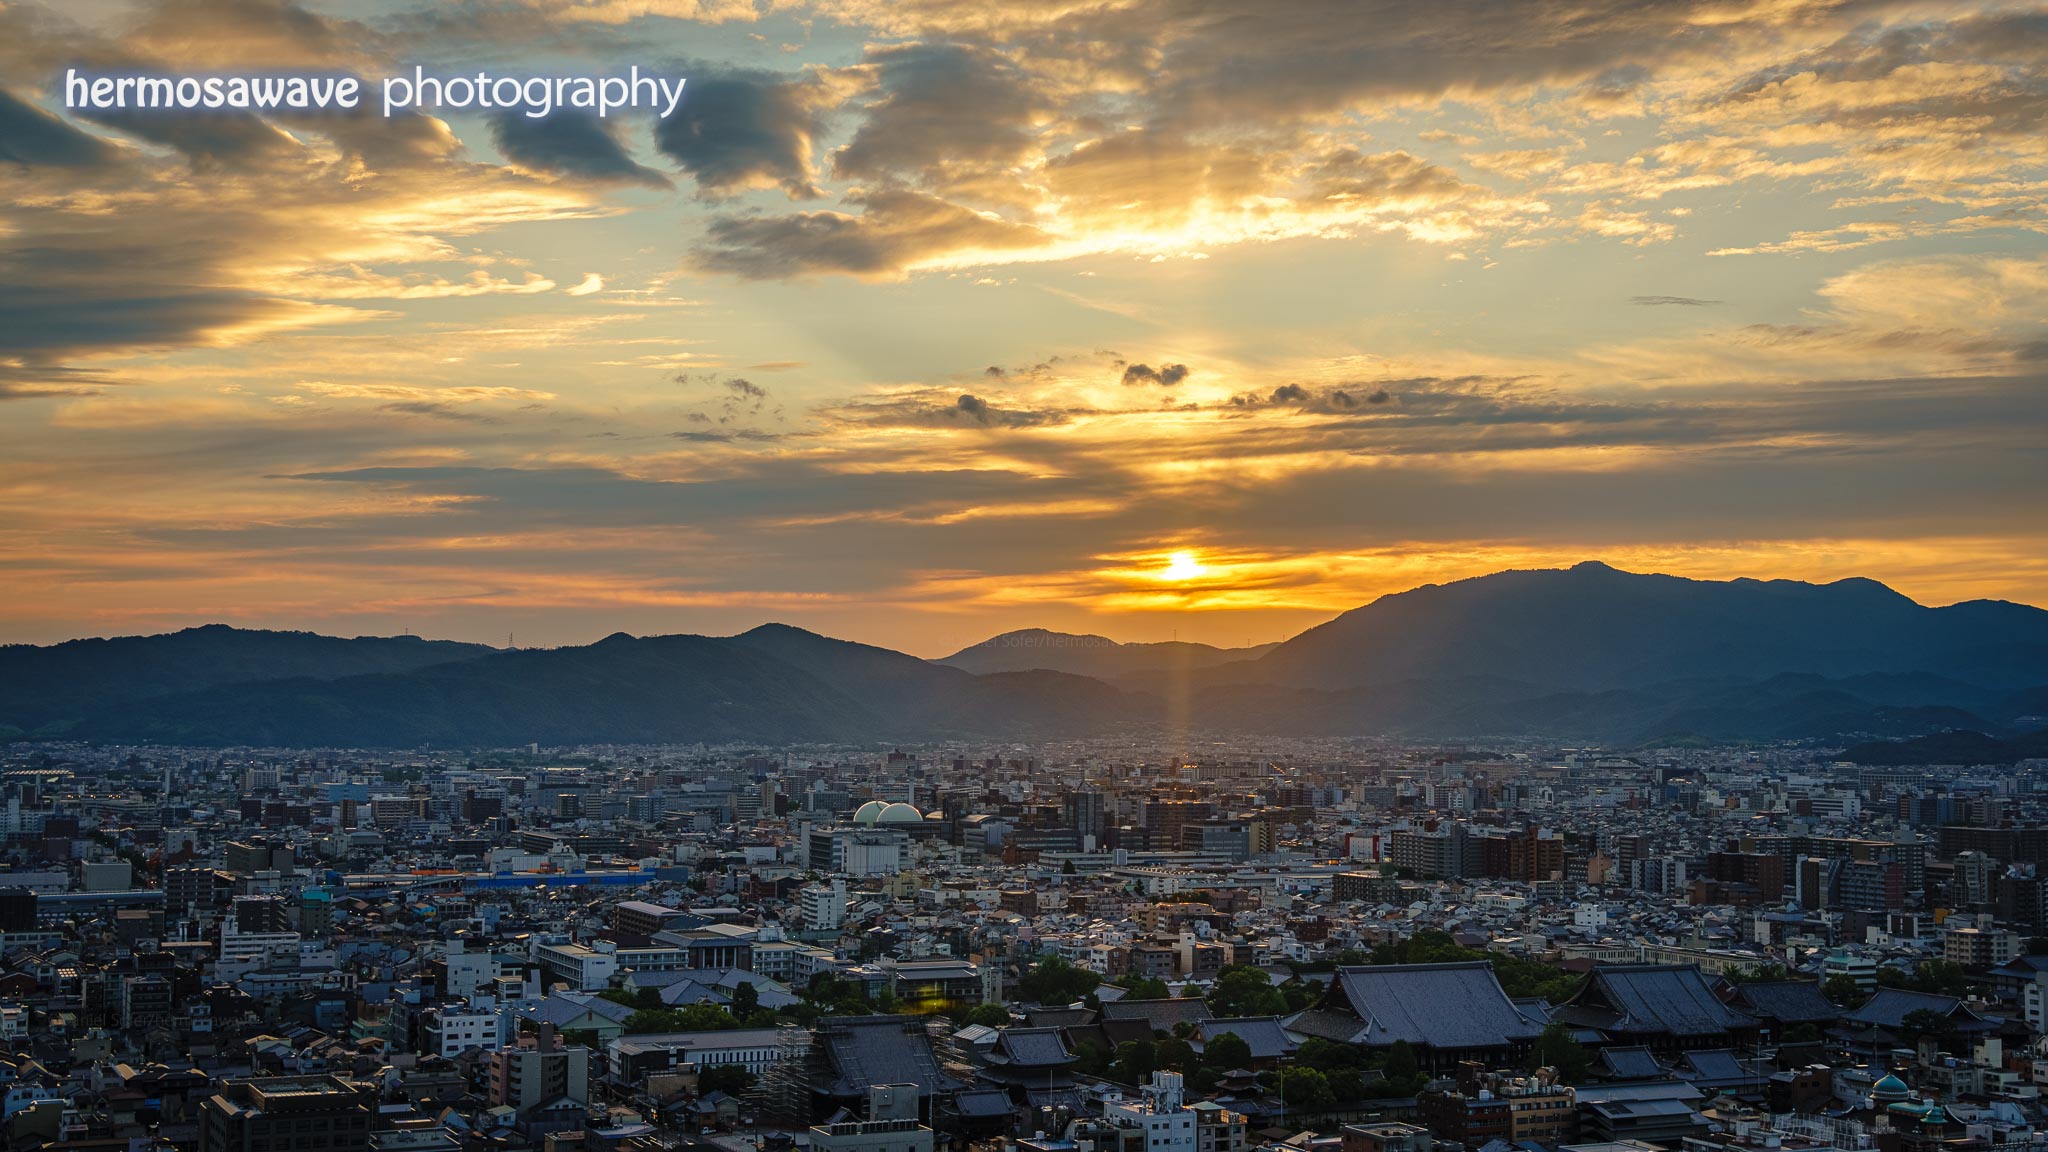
column 772, row 685
column 1951, row 748
column 1087, row 655
column 1587, row 654
column 1592, row 627
column 48, row 688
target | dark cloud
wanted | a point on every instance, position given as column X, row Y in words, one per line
column 745, row 389
column 252, row 34
column 747, row 130
column 210, row 140
column 31, row 380
column 974, row 409
column 944, row 105
column 735, row 435
column 437, row 410
column 1331, row 401
column 1687, row 301
column 898, row 229
column 571, row 143
column 1166, row 375
column 930, row 409
column 1381, row 177
column 47, row 321
column 1235, row 64
column 32, row 137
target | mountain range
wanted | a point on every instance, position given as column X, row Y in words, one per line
column 1586, row 654
column 1097, row 656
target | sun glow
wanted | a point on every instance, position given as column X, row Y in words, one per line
column 1181, row 566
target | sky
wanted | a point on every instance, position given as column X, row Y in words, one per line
column 921, row 320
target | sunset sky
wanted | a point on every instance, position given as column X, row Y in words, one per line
column 926, row 319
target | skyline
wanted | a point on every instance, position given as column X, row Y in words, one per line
column 986, row 639
column 921, row 322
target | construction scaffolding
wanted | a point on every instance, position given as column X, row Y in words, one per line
column 785, row 1093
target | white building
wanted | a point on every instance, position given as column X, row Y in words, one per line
column 823, row 906
column 1168, row 1123
column 468, row 972
column 453, row 1029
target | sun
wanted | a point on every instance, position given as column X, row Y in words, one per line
column 1181, row 566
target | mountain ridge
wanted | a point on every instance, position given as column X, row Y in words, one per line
column 44, row 685
column 1588, row 654
column 1087, row 654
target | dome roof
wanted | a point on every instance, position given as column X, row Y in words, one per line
column 900, row 813
column 870, row 812
column 1890, row 1086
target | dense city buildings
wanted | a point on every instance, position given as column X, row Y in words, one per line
column 1074, row 945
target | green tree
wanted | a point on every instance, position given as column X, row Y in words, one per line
column 1401, row 1063
column 1557, row 1048
column 1316, row 1052
column 1843, row 990
column 693, row 1018
column 1924, row 1022
column 1136, row 1060
column 1759, row 974
column 989, row 1016
column 1174, row 1054
column 1242, row 990
column 639, row 998
column 1052, row 980
column 1940, row 977
column 1227, row 1051
column 745, row 998
column 1145, row 988
column 1305, row 1089
column 1298, row 994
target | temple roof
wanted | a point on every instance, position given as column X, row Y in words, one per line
column 1445, row 1006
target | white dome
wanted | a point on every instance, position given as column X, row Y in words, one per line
column 900, row 813
column 870, row 812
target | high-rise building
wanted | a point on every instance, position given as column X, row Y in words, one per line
column 1086, row 814
column 255, row 914
column 248, row 857
column 542, row 1073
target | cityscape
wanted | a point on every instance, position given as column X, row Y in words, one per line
column 1023, row 575
column 1154, row 936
